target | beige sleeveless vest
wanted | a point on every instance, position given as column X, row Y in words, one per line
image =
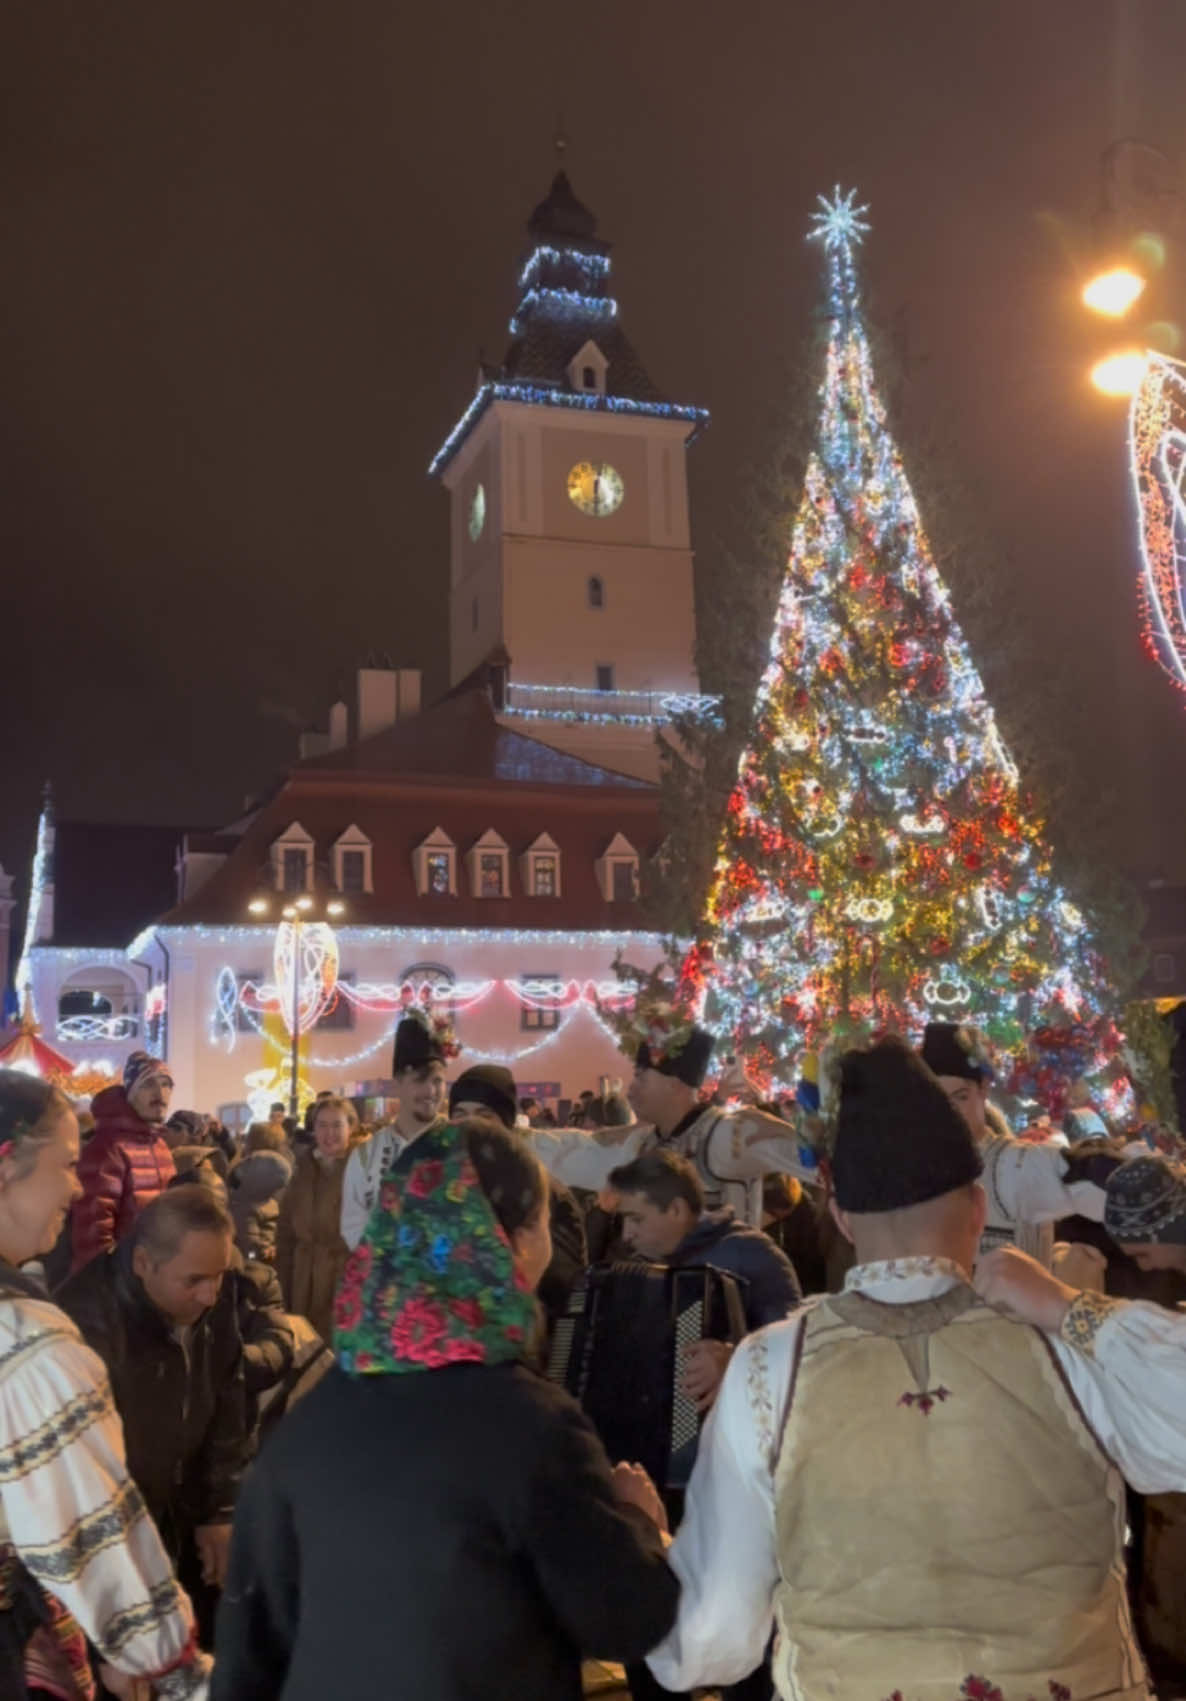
column 943, row 1512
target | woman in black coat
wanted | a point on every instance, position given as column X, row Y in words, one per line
column 435, row 1520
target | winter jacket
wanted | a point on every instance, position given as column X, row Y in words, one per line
column 769, row 1286
column 310, row 1251
column 512, row 1558
column 570, row 1250
column 124, row 1166
column 255, row 1187
column 269, row 1345
column 184, row 1419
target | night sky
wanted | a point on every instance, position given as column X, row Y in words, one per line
column 251, row 252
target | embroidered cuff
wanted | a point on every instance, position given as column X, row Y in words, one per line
column 1086, row 1316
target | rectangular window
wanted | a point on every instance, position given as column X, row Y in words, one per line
column 293, row 869
column 605, row 677
column 536, row 1020
column 354, row 870
column 340, row 1015
column 543, row 877
column 490, row 882
column 437, row 864
column 624, row 882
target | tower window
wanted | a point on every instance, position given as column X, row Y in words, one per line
column 589, row 377
column 596, row 593
column 605, row 677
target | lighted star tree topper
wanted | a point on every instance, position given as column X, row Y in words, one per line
column 878, row 865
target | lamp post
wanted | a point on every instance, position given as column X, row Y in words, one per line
column 1140, row 206
column 297, row 914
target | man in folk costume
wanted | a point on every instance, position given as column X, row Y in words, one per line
column 920, row 1479
column 423, row 1045
column 1029, row 1185
column 731, row 1149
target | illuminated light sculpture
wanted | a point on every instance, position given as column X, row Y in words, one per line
column 878, row 866
column 1157, row 448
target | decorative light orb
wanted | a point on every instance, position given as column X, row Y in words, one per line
column 1119, row 374
column 1112, row 293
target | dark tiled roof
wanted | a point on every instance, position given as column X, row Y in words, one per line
column 459, row 738
column 542, row 355
column 452, row 768
column 110, row 880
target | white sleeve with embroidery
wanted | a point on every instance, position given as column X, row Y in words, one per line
column 585, row 1160
column 1126, row 1362
column 74, row 1515
column 747, row 1144
column 724, row 1553
column 1026, row 1181
column 354, row 1197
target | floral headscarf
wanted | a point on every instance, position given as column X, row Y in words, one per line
column 432, row 1281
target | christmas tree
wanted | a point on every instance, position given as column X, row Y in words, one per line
column 879, row 866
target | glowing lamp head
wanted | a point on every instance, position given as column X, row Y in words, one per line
column 335, row 907
column 304, row 904
column 1119, row 374
column 1112, row 293
column 258, row 906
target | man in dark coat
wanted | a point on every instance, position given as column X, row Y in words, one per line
column 490, row 1087
column 157, row 1312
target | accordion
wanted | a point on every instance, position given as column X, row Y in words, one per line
column 619, row 1348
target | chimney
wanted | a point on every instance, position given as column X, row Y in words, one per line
column 408, row 679
column 378, row 700
column 338, row 734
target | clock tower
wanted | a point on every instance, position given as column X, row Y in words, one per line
column 570, row 548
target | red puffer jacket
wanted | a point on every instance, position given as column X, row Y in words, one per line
column 124, row 1166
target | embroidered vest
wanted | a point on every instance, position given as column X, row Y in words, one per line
column 944, row 1514
column 694, row 1144
column 1001, row 1229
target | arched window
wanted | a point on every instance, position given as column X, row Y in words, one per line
column 596, row 593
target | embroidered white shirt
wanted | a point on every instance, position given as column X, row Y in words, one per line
column 1128, row 1371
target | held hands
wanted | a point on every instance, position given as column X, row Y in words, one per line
column 633, row 1487
column 1021, row 1286
column 705, row 1364
column 214, row 1551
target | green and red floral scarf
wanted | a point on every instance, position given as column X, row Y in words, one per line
column 432, row 1281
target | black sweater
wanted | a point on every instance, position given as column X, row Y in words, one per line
column 443, row 1535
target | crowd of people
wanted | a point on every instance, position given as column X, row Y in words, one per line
column 295, row 1400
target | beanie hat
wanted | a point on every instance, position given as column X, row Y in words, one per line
column 487, row 1084
column 948, row 1049
column 421, row 1040
column 191, row 1123
column 139, row 1067
column 899, row 1142
column 1146, row 1202
column 687, row 1063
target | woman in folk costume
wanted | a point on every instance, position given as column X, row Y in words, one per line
column 1029, row 1186
column 310, row 1251
column 920, row 1479
column 732, row 1149
column 424, row 1044
column 435, row 1520
column 80, row 1559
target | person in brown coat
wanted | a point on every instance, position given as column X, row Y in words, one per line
column 310, row 1251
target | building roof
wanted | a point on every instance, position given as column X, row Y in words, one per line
column 111, row 879
column 456, row 770
column 460, row 738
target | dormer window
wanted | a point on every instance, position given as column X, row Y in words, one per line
column 434, row 864
column 292, row 860
column 539, row 868
column 352, row 862
column 617, row 871
column 587, row 370
column 489, row 867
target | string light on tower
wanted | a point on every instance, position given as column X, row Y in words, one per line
column 1157, row 459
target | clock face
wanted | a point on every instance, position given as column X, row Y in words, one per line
column 477, row 513
column 596, row 490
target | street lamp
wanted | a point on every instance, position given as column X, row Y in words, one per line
column 298, row 914
column 1114, row 291
column 1120, row 373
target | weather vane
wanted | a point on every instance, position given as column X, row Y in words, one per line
column 839, row 223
